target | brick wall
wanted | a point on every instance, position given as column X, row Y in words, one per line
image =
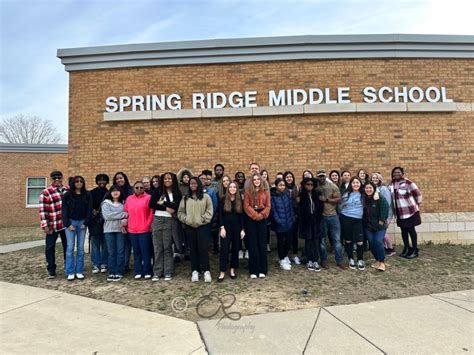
column 15, row 168
column 435, row 148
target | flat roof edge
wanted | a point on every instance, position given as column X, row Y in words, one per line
column 33, row 148
column 268, row 48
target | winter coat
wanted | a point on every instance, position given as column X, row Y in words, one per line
column 282, row 213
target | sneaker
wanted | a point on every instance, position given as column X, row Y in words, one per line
column 155, row 278
column 95, row 270
column 284, row 265
column 310, row 266
column 352, row 264
column 241, row 254
column 103, row 269
column 253, row 276
column 390, row 252
column 297, row 260
column 246, row 254
column 51, row 276
column 361, row 265
column 70, row 277
column 138, row 277
column 261, row 275
column 118, row 278
column 207, row 276
column 195, row 276
column 168, row 277
column 316, row 267
column 80, row 276
column 147, row 277
column 111, row 278
column 288, row 261
column 268, row 248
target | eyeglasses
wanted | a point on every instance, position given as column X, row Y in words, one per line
column 57, row 177
column 139, row 187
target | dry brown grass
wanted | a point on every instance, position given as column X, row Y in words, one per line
column 18, row 234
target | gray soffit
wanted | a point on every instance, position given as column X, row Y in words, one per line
column 238, row 50
column 33, row 148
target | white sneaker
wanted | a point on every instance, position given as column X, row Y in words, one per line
column 138, row 277
column 70, row 277
column 80, row 276
column 95, row 270
column 288, row 261
column 147, row 277
column 195, row 276
column 284, row 265
column 241, row 254
column 297, row 260
column 246, row 254
column 262, row 276
column 361, row 265
column 253, row 276
column 268, row 248
column 207, row 276
column 155, row 278
column 103, row 269
column 352, row 264
column 168, row 278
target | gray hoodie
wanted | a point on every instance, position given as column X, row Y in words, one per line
column 113, row 215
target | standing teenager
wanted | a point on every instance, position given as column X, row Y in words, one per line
column 195, row 212
column 112, row 210
column 139, row 221
column 292, row 188
column 164, row 202
column 377, row 179
column 231, row 231
column 406, row 201
column 99, row 257
column 77, row 214
column 257, row 205
column 121, row 179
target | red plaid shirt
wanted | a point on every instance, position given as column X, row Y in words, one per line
column 50, row 202
column 406, row 198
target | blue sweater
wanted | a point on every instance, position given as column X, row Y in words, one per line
column 351, row 206
column 282, row 212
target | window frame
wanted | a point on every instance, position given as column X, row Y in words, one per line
column 34, row 187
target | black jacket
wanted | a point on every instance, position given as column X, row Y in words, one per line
column 157, row 196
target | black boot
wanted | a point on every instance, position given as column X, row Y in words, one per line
column 404, row 252
column 413, row 254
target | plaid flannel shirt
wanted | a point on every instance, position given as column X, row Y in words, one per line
column 406, row 198
column 50, row 202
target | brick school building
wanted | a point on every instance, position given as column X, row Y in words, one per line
column 290, row 103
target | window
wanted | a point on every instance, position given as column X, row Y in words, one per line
column 34, row 187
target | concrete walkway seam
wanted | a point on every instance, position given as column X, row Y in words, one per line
column 355, row 331
column 452, row 304
column 29, row 304
column 312, row 330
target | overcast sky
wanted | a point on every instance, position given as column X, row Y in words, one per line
column 33, row 80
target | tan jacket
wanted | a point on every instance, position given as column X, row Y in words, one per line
column 194, row 212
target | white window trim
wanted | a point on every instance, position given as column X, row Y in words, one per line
column 26, row 194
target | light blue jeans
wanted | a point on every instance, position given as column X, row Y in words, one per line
column 77, row 265
column 331, row 224
column 376, row 243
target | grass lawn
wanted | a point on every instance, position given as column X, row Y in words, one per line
column 18, row 234
column 440, row 268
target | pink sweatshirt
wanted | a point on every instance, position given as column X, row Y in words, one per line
column 139, row 215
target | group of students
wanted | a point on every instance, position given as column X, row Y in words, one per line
column 172, row 216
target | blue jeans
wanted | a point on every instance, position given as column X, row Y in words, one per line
column 376, row 243
column 99, row 255
column 116, row 251
column 75, row 266
column 141, row 253
column 332, row 224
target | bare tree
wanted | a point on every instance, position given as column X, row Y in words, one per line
column 28, row 130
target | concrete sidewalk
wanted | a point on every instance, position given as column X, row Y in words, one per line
column 20, row 246
column 34, row 320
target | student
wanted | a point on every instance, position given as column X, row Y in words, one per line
column 76, row 214
column 139, row 221
column 222, row 188
column 155, row 183
column 240, row 179
column 377, row 179
column 406, row 201
column 257, row 205
column 375, row 223
column 265, row 175
column 164, row 202
column 195, row 212
column 283, row 218
column 231, row 231
column 218, row 173
column 292, row 188
column 311, row 214
column 213, row 230
column 112, row 210
column 50, row 202
column 146, row 180
column 335, row 177
column 99, row 257
column 183, row 176
column 345, row 181
column 363, row 177
column 307, row 174
column 352, row 212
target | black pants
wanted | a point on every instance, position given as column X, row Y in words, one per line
column 198, row 245
column 50, row 249
column 294, row 235
column 284, row 242
column 414, row 237
column 352, row 232
column 232, row 238
column 257, row 246
column 312, row 234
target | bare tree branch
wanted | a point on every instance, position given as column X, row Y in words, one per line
column 28, row 130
